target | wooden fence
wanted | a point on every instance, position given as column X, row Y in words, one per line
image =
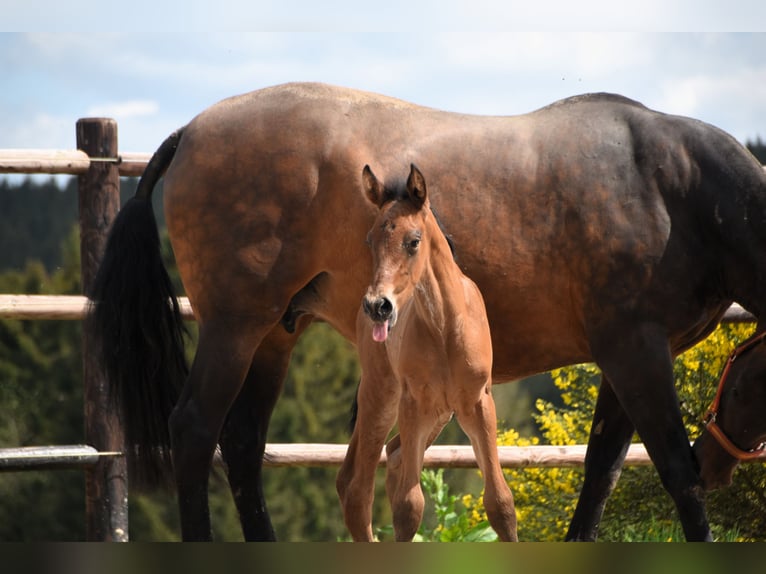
column 99, row 165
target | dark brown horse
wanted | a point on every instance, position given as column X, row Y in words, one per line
column 596, row 229
column 437, row 361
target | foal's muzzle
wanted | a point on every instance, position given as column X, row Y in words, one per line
column 378, row 309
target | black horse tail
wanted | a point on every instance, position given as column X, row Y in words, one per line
column 139, row 330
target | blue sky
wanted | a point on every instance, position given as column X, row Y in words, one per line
column 166, row 61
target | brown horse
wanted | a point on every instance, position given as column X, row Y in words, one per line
column 437, row 361
column 596, row 229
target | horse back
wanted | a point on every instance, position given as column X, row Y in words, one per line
column 587, row 213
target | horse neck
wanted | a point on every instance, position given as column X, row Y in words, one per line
column 439, row 295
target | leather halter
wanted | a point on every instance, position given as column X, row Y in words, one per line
column 710, row 418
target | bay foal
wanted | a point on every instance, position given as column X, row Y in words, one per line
column 426, row 354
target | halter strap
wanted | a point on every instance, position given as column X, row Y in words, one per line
column 712, row 413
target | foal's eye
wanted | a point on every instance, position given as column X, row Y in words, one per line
column 412, row 246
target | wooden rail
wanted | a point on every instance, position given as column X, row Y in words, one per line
column 453, row 456
column 57, row 307
column 332, row 455
column 323, row 455
column 72, row 162
column 74, row 456
column 446, row 456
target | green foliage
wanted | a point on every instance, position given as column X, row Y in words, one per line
column 758, row 149
column 41, row 402
column 37, row 219
column 453, row 522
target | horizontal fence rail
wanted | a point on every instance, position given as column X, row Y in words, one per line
column 332, row 455
column 58, row 307
column 74, row 456
column 447, row 456
column 453, row 456
column 67, row 162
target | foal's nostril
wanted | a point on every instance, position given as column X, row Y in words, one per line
column 367, row 306
column 384, row 308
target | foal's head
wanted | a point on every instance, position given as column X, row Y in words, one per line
column 401, row 240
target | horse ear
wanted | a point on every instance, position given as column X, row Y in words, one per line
column 373, row 189
column 416, row 186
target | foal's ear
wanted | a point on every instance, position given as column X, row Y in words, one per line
column 373, row 189
column 416, row 186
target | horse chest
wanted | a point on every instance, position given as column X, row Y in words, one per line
column 434, row 366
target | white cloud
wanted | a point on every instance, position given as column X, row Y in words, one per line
column 576, row 52
column 124, row 110
column 43, row 131
column 734, row 98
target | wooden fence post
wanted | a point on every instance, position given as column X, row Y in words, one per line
column 106, row 483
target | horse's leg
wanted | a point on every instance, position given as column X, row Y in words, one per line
column 639, row 366
column 377, row 400
column 223, row 357
column 403, row 485
column 479, row 421
column 610, row 435
column 394, row 453
column 243, row 437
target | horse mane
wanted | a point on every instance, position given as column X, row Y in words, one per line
column 447, row 236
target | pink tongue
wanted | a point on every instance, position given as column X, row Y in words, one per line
column 380, row 332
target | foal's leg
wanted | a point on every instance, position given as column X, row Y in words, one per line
column 610, row 435
column 377, row 400
column 479, row 421
column 403, row 488
column 223, row 356
column 394, row 453
column 243, row 437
